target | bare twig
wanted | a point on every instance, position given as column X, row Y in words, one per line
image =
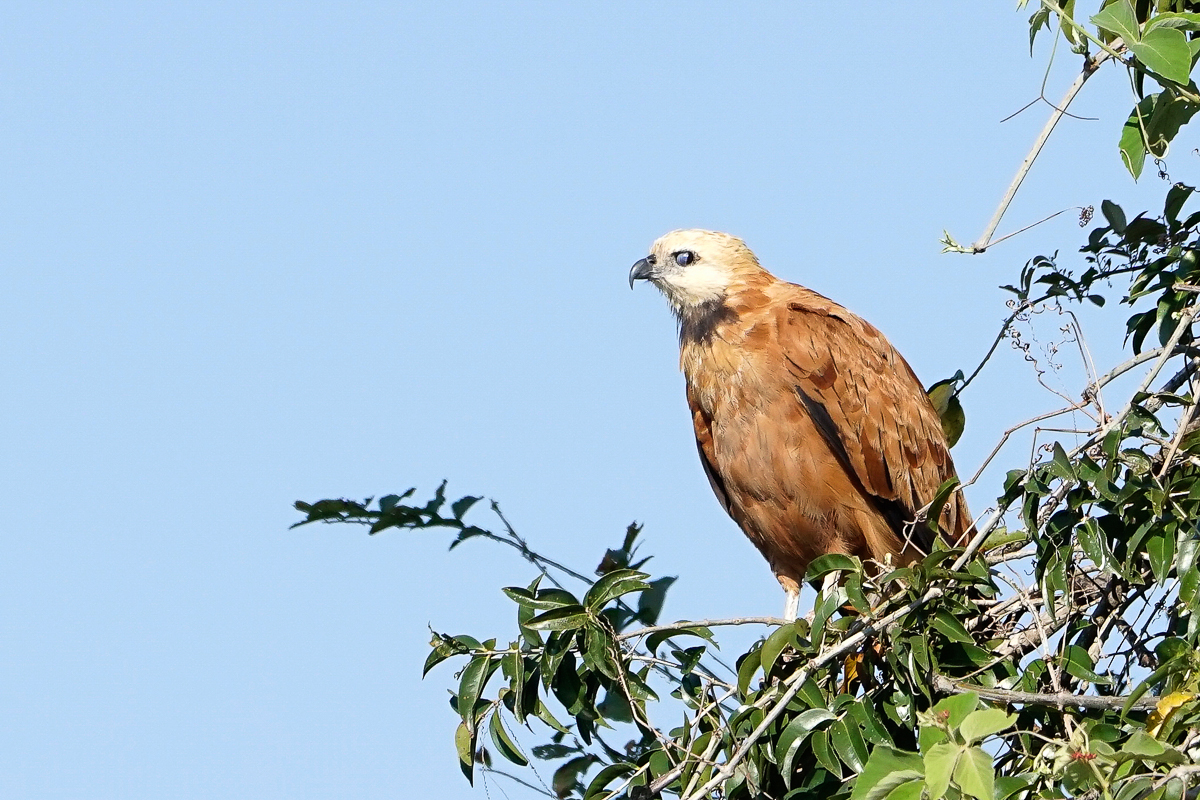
column 1089, row 67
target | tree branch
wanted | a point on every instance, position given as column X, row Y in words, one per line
column 1009, row 696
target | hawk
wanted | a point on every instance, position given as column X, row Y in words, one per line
column 815, row 434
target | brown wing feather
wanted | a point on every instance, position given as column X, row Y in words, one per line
column 870, row 407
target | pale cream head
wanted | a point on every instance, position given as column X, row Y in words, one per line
column 694, row 268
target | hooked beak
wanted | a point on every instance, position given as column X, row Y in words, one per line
column 642, row 271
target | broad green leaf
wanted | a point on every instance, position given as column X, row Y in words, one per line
column 1119, row 20
column 655, row 639
column 780, row 638
column 613, row 585
column 503, row 743
column 911, row 790
column 975, row 774
column 1078, row 663
column 1132, row 144
column 1143, row 744
column 1161, row 549
column 464, row 743
column 824, row 752
column 940, row 763
column 747, row 669
column 1165, row 51
column 604, row 777
column 950, row 627
column 1115, row 216
column 848, row 742
column 793, row 736
column 831, row 562
column 470, row 686
column 885, row 770
column 559, row 619
column 544, row 600
column 958, row 706
column 1184, row 21
column 983, row 723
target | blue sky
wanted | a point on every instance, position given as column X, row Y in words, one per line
column 256, row 253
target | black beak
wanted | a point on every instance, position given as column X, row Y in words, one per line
column 642, row 270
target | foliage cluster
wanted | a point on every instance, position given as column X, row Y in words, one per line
column 1054, row 655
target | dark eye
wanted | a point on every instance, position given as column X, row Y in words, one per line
column 684, row 257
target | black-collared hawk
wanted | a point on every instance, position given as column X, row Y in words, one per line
column 815, row 434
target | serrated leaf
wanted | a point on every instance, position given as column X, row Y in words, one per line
column 983, row 723
column 824, row 752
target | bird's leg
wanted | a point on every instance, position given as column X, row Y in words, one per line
column 792, row 590
column 829, row 583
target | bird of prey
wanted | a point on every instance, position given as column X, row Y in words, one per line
column 815, row 434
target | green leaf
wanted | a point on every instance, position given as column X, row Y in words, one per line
column 1161, row 549
column 1132, row 144
column 747, row 669
column 1165, row 51
column 604, row 777
column 831, row 562
column 780, row 638
column 885, row 770
column 848, row 742
column 797, row 730
column 470, row 687
column 503, row 743
column 983, row 723
column 560, row 619
column 975, row 774
column 566, row 776
column 911, row 790
column 460, row 506
column 1143, row 744
column 1119, row 20
column 958, row 706
column 543, row 600
column 1078, row 663
column 464, row 743
column 1115, row 216
column 940, row 763
column 613, row 585
column 824, row 753
column 950, row 627
column 654, row 640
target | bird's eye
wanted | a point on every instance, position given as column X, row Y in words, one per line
column 684, row 257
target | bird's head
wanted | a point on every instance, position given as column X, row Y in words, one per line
column 696, row 269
